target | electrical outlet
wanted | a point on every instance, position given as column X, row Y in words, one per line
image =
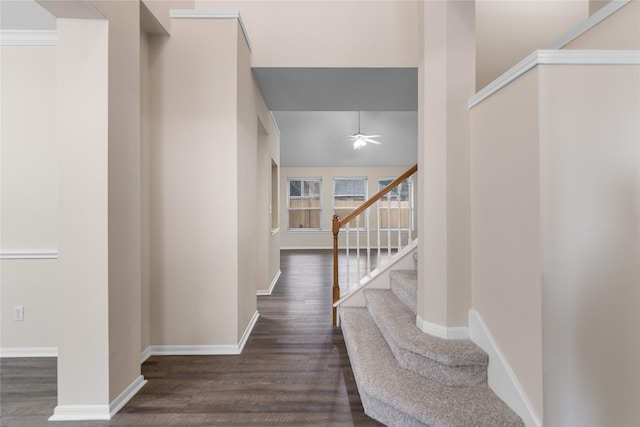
column 18, row 313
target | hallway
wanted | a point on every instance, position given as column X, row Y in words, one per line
column 294, row 370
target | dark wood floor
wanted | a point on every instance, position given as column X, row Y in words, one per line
column 293, row 371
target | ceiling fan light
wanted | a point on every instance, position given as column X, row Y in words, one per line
column 359, row 143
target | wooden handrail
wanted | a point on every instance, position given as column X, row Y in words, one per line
column 347, row 219
column 338, row 223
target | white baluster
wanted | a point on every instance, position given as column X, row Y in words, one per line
column 357, row 249
column 389, row 223
column 347, row 246
column 378, row 220
column 410, row 212
column 399, row 217
column 366, row 227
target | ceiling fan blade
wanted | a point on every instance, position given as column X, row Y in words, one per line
column 372, row 141
column 372, row 136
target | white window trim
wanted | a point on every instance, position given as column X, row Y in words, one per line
column 305, row 178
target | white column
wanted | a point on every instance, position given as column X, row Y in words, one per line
column 83, row 338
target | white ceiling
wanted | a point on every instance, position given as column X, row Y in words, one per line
column 315, row 108
column 25, row 15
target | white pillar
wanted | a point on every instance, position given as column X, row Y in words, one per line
column 83, row 338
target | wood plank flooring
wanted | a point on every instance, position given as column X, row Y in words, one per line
column 293, row 371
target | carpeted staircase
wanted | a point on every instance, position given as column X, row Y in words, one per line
column 408, row 378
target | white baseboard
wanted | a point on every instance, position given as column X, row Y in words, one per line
column 201, row 350
column 448, row 333
column 29, row 352
column 502, row 379
column 271, row 287
column 98, row 412
column 80, row 413
column 247, row 331
column 119, row 402
column 146, row 353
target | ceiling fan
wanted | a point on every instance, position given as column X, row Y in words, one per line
column 360, row 140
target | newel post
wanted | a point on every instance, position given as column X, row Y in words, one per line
column 336, row 287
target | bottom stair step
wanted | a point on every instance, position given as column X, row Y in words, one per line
column 397, row 397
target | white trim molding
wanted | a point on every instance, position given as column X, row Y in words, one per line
column 146, row 353
column 42, row 254
column 272, row 286
column 556, row 57
column 247, row 331
column 191, row 350
column 447, row 333
column 201, row 350
column 29, row 352
column 80, row 413
column 211, row 14
column 600, row 15
column 28, row 38
column 502, row 379
column 128, row 393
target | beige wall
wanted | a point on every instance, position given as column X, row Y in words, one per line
column 322, row 33
column 555, row 178
column 194, row 194
column 618, row 31
column 505, row 249
column 323, row 238
column 508, row 31
column 248, row 179
column 145, row 194
column 124, row 193
column 29, row 186
column 590, row 235
column 268, row 154
column 83, row 220
column 446, row 80
column 204, row 174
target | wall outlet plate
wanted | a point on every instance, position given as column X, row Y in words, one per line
column 18, row 313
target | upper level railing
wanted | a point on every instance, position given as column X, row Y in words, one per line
column 394, row 221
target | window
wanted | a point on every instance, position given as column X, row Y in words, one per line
column 348, row 194
column 304, row 203
column 400, row 196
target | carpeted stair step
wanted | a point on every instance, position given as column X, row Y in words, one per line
column 450, row 362
column 404, row 284
column 415, row 260
column 398, row 397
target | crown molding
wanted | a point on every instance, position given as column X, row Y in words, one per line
column 28, row 38
column 600, row 15
column 211, row 14
column 556, row 57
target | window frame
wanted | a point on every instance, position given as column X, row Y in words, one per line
column 410, row 208
column 366, row 195
column 289, row 208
